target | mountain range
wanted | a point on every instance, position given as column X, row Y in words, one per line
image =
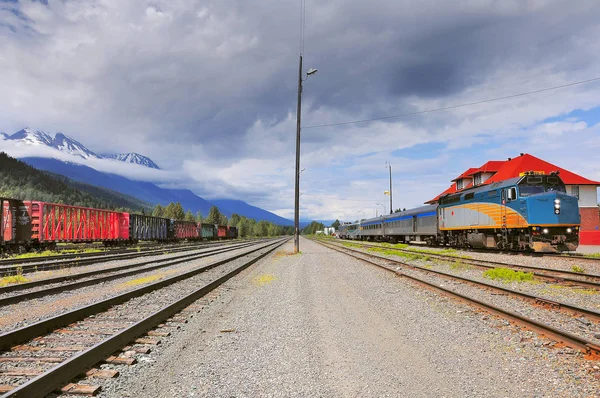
column 144, row 191
column 71, row 146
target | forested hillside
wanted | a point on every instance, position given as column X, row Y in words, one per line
column 21, row 181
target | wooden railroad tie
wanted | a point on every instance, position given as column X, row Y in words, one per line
column 80, row 389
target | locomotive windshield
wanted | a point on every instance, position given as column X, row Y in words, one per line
column 531, row 185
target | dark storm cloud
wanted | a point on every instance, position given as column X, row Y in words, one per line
column 216, row 81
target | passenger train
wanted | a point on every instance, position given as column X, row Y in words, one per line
column 527, row 213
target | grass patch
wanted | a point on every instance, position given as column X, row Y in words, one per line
column 508, row 275
column 356, row 246
column 265, row 279
column 592, row 255
column 408, row 256
column 144, row 280
column 579, row 270
column 10, row 280
column 460, row 266
column 47, row 253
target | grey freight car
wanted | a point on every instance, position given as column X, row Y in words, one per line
column 142, row 227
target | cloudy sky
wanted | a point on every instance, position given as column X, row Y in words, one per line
column 207, row 89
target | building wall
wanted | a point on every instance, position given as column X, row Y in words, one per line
column 587, row 195
column 486, row 176
column 590, row 218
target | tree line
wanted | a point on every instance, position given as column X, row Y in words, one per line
column 247, row 227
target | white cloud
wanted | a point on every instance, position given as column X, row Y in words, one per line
column 207, row 89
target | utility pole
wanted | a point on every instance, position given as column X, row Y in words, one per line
column 391, row 208
column 297, row 199
column 389, row 165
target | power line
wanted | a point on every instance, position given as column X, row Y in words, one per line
column 333, row 197
column 454, row 106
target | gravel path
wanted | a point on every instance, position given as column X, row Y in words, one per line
column 323, row 324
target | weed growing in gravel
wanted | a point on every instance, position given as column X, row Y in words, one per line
column 592, row 255
column 460, row 266
column 352, row 245
column 408, row 256
column 9, row 280
column 146, row 279
column 508, row 275
column 578, row 269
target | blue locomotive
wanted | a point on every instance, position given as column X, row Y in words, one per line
column 528, row 213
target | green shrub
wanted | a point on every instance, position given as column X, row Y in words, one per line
column 508, row 275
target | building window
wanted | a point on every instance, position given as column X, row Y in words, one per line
column 477, row 179
column 459, row 184
column 575, row 191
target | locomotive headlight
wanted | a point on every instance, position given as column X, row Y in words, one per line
column 557, row 201
column 545, row 231
column 569, row 230
column 557, row 205
column 556, row 211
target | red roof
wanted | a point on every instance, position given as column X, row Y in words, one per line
column 490, row 167
column 526, row 162
column 466, row 174
column 506, row 169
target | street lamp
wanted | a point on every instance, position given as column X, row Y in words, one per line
column 383, row 207
column 310, row 72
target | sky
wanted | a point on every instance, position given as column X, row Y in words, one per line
column 208, row 90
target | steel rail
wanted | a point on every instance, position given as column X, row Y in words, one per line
column 557, row 305
column 565, row 255
column 492, row 264
column 76, row 262
column 47, row 382
column 591, row 349
column 26, row 333
column 76, row 285
column 16, row 261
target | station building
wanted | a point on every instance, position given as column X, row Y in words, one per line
column 499, row 170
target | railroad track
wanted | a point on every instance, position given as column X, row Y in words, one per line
column 547, row 274
column 566, row 255
column 92, row 259
column 111, row 274
column 104, row 251
column 588, row 347
column 67, row 345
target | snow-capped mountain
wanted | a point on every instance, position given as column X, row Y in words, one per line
column 132, row 157
column 32, row 137
column 73, row 147
column 59, row 141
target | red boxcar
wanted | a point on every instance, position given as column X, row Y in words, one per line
column 222, row 231
column 186, row 229
column 15, row 221
column 52, row 222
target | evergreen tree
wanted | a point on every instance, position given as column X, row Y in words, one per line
column 223, row 220
column 234, row 220
column 214, row 216
column 190, row 217
column 178, row 212
column 336, row 224
column 199, row 217
column 158, row 211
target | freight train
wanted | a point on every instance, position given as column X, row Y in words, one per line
column 35, row 225
column 528, row 213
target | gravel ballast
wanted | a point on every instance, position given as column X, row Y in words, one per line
column 324, row 324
